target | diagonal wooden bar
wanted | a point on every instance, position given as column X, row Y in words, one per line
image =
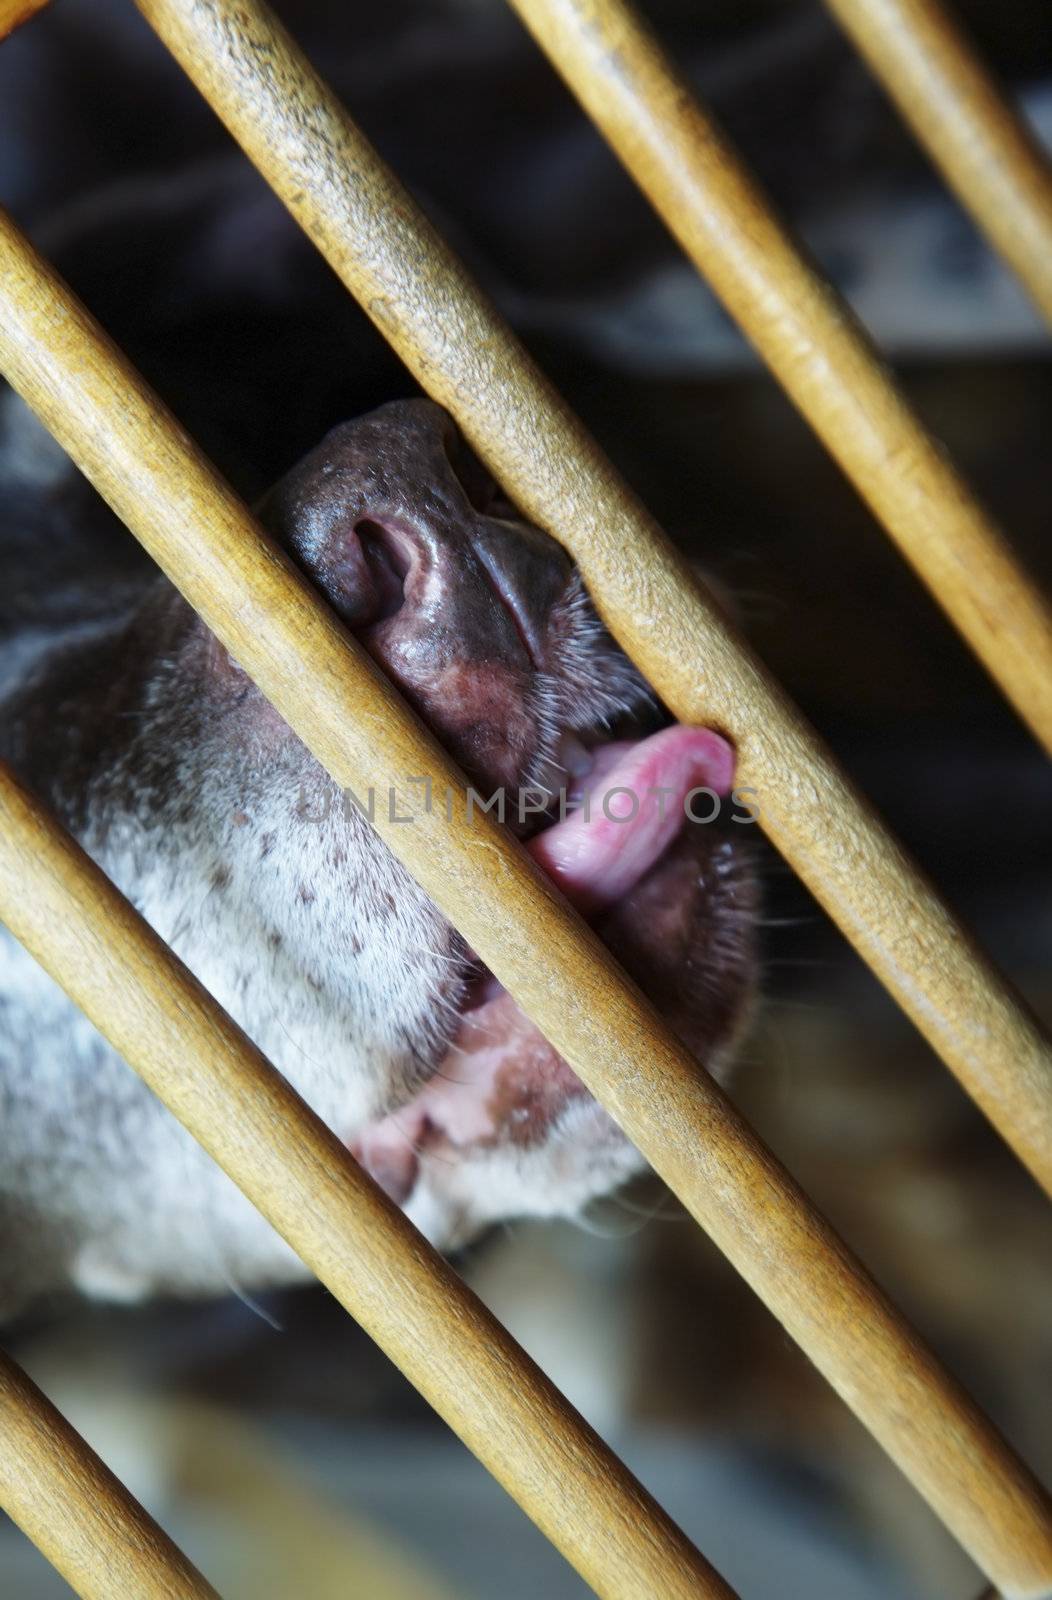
column 289, row 1164
column 79, row 1515
column 14, row 12
column 806, row 334
column 426, row 305
column 973, row 133
column 329, row 691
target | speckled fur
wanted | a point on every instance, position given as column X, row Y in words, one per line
column 187, row 788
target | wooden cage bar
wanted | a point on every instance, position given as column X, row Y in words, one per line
column 329, row 691
column 459, row 348
column 651, row 118
column 959, row 114
column 82, row 1518
column 307, row 1184
column 14, row 12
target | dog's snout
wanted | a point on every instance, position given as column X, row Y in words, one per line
column 406, row 533
column 453, row 595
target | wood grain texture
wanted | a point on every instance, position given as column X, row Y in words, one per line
column 427, row 306
column 806, row 334
column 14, row 12
column 326, row 687
column 72, row 1507
column 971, row 130
column 307, row 1184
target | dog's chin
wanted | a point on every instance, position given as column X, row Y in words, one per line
column 503, row 1126
column 459, row 1194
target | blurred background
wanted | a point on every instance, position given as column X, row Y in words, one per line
column 271, row 1438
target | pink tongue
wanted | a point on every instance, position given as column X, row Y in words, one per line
column 600, row 852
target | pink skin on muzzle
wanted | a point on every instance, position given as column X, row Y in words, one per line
column 500, row 1080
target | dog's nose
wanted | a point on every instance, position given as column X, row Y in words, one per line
column 411, row 542
column 396, row 520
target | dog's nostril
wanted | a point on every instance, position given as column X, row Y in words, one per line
column 388, row 567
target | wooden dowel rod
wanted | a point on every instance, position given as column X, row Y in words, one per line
column 981, row 144
column 444, row 328
column 290, row 1165
column 329, row 691
column 14, row 12
column 806, row 334
column 76, row 1512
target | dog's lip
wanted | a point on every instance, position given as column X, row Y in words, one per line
column 597, row 858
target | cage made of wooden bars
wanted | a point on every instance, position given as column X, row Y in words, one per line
column 170, row 1030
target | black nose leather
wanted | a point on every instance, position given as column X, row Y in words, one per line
column 408, row 537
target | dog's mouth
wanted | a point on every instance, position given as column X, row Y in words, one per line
column 500, row 1083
